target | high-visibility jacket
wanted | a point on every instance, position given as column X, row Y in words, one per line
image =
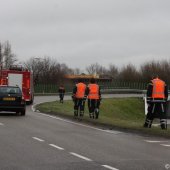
column 93, row 91
column 158, row 90
column 81, row 87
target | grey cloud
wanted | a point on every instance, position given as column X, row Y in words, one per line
column 79, row 33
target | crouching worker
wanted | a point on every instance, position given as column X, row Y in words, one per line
column 157, row 94
column 79, row 99
column 94, row 97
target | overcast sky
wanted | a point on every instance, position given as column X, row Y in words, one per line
column 82, row 32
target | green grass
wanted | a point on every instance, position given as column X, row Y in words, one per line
column 122, row 113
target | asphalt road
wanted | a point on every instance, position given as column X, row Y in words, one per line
column 41, row 142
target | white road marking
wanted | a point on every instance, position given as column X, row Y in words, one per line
column 64, row 120
column 165, row 145
column 40, row 140
column 1, row 124
column 80, row 156
column 109, row 167
column 57, row 147
column 154, row 141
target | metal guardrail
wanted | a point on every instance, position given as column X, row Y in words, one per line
column 106, row 91
column 105, row 86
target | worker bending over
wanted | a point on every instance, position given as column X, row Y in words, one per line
column 157, row 94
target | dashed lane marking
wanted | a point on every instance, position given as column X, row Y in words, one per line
column 57, row 147
column 165, row 145
column 80, row 156
column 154, row 141
column 1, row 124
column 38, row 139
column 109, row 167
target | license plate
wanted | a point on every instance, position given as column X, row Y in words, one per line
column 9, row 98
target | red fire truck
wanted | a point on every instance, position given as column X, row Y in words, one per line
column 18, row 76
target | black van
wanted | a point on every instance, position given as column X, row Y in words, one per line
column 11, row 100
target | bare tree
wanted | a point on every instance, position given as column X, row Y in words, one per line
column 47, row 70
column 129, row 73
column 7, row 57
column 112, row 71
column 152, row 68
column 77, row 71
column 96, row 69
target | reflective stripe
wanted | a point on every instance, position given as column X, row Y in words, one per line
column 148, row 123
column 153, row 109
column 162, row 107
column 163, row 120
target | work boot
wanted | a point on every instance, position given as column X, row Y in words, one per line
column 145, row 125
column 148, row 123
column 75, row 114
column 90, row 115
column 81, row 114
column 163, row 126
column 93, row 115
column 96, row 113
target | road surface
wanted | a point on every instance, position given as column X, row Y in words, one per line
column 41, row 142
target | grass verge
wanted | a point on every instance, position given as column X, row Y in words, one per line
column 116, row 113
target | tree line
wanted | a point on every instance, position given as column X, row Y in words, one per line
column 48, row 70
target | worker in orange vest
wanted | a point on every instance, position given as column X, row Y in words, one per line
column 79, row 98
column 94, row 97
column 61, row 92
column 157, row 94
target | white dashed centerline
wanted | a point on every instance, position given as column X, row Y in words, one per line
column 38, row 139
column 57, row 147
column 109, row 167
column 1, row 124
column 80, row 156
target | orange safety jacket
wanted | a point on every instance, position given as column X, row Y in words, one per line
column 81, row 87
column 158, row 89
column 93, row 91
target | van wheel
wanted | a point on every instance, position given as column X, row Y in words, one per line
column 17, row 113
column 23, row 112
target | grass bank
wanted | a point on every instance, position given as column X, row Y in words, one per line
column 120, row 113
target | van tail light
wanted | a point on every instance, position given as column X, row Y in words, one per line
column 23, row 100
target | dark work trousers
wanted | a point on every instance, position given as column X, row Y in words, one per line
column 79, row 103
column 61, row 95
column 93, row 105
column 156, row 110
